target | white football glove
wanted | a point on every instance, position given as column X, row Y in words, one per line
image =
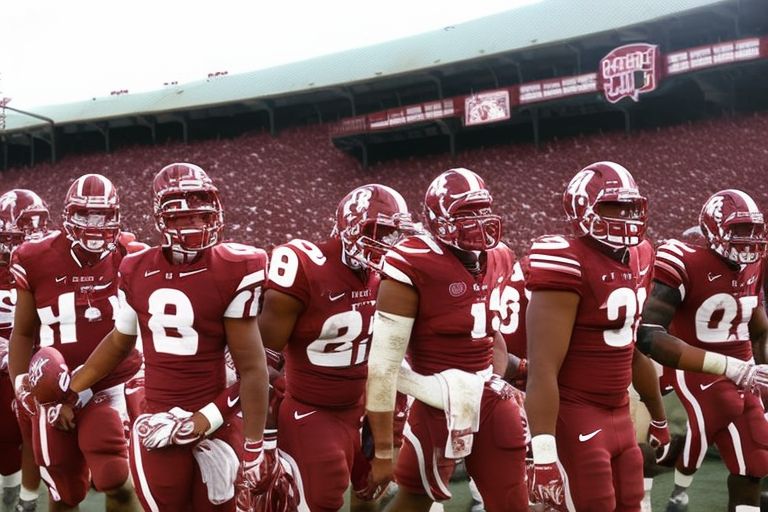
column 165, row 428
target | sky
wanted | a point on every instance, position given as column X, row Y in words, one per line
column 54, row 51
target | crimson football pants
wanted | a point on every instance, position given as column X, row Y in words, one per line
column 601, row 462
column 322, row 445
column 496, row 464
column 97, row 447
column 10, row 435
column 719, row 413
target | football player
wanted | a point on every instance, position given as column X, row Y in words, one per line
column 587, row 292
column 443, row 299
column 67, row 298
column 318, row 306
column 190, row 298
column 23, row 216
column 708, row 294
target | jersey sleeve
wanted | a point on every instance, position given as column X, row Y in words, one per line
column 126, row 320
column 408, row 261
column 245, row 296
column 554, row 264
column 670, row 265
column 288, row 272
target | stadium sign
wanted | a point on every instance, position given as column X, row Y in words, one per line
column 713, row 55
column 556, row 88
column 487, row 107
column 629, row 71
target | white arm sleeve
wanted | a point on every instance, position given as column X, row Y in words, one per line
column 391, row 334
column 425, row 388
column 127, row 322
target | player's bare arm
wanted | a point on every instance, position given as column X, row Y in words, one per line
column 500, row 355
column 113, row 348
column 247, row 351
column 25, row 323
column 646, row 383
column 397, row 306
column 277, row 318
column 550, row 318
column 654, row 341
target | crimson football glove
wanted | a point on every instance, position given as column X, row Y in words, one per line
column 277, row 492
column 75, row 401
column 658, row 438
column 24, row 397
column 545, row 483
column 166, row 428
column 134, row 396
column 252, row 477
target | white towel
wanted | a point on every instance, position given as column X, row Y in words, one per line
column 462, row 395
column 218, row 465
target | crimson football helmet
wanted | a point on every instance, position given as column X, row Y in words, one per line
column 187, row 208
column 457, row 208
column 733, row 226
column 23, row 216
column 369, row 221
column 92, row 213
column 603, row 201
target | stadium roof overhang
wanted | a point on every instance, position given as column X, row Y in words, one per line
column 478, row 47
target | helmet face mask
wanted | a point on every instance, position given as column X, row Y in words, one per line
column 457, row 207
column 92, row 213
column 369, row 221
column 602, row 201
column 96, row 229
column 734, row 227
column 188, row 211
column 378, row 236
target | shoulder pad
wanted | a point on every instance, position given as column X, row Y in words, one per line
column 234, row 252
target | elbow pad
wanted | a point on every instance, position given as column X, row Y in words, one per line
column 645, row 334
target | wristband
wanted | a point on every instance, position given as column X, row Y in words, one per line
column 714, row 363
column 253, row 449
column 544, row 449
column 659, row 423
column 83, row 397
column 270, row 438
column 214, row 417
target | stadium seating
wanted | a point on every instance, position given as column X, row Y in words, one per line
column 275, row 189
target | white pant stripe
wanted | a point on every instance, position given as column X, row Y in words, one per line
column 145, row 490
column 737, row 449
column 408, row 434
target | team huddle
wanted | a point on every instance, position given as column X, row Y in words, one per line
column 204, row 375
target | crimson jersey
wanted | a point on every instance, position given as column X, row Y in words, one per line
column 7, row 302
column 327, row 352
column 597, row 368
column 180, row 311
column 458, row 312
column 718, row 299
column 76, row 303
column 514, row 332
